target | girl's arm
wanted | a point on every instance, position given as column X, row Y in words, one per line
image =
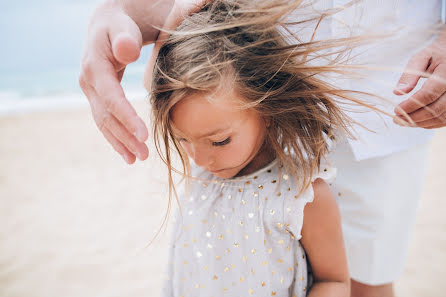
column 324, row 245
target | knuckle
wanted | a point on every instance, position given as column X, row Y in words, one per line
column 104, row 121
column 428, row 96
column 86, row 69
column 436, row 111
column 419, row 55
column 442, row 107
column 110, row 105
column 82, row 83
column 425, row 53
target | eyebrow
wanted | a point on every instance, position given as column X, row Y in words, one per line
column 206, row 134
column 216, row 131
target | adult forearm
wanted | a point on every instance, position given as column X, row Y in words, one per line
column 147, row 14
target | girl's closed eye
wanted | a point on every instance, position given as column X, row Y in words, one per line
column 221, row 143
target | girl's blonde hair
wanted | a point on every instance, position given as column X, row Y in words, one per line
column 250, row 42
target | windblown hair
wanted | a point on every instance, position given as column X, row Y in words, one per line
column 276, row 73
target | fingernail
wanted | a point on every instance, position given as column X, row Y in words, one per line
column 138, row 154
column 401, row 88
column 398, row 111
column 400, row 122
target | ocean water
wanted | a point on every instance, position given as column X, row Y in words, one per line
column 55, row 90
column 41, row 49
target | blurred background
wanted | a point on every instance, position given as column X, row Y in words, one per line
column 41, row 49
column 75, row 220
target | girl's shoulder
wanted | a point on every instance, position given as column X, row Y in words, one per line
column 294, row 203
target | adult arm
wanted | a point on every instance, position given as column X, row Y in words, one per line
column 323, row 242
column 427, row 107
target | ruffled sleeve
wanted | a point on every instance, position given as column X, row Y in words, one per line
column 294, row 205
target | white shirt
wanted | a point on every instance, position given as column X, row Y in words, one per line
column 412, row 22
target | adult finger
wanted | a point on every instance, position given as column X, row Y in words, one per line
column 105, row 90
column 412, row 73
column 118, row 146
column 107, row 123
column 124, row 137
column 102, row 113
column 402, row 122
column 126, row 40
column 173, row 19
column 179, row 11
column 431, row 111
column 433, row 123
column 431, row 91
column 111, row 95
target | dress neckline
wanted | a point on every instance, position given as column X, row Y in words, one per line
column 251, row 175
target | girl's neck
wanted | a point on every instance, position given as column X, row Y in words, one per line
column 265, row 156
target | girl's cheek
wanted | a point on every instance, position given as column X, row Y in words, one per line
column 237, row 151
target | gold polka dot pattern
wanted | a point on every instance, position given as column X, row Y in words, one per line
column 239, row 237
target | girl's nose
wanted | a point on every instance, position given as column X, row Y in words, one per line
column 202, row 157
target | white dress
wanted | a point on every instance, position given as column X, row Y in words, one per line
column 240, row 236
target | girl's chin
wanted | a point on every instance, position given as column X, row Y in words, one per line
column 225, row 173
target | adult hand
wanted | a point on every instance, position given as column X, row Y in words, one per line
column 427, row 107
column 116, row 33
column 180, row 10
column 113, row 41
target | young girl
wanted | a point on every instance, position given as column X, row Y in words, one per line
column 232, row 92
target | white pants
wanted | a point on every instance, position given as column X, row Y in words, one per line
column 378, row 199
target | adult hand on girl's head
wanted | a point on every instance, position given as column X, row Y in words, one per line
column 180, row 10
column 427, row 107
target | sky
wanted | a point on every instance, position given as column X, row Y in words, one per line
column 42, row 44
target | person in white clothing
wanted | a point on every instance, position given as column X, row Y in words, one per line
column 381, row 173
column 377, row 206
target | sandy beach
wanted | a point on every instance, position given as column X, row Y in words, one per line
column 75, row 220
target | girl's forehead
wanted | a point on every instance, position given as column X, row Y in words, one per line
column 199, row 115
column 221, row 102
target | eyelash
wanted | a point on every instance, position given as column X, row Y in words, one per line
column 221, row 143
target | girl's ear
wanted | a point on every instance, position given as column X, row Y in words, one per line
column 267, row 121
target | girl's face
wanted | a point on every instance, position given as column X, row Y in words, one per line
column 219, row 136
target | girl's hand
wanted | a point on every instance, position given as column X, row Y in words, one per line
column 427, row 107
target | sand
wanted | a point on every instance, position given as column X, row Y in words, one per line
column 75, row 219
